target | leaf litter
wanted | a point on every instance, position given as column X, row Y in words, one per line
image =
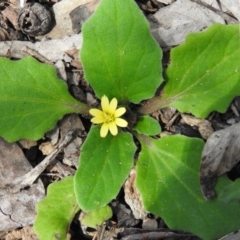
column 16, row 210
column 170, row 37
column 220, row 154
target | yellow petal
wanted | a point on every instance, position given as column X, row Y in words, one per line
column 120, row 111
column 113, row 128
column 105, row 103
column 98, row 120
column 121, row 122
column 104, row 130
column 113, row 106
column 96, row 112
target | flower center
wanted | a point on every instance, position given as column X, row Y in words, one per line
column 108, row 117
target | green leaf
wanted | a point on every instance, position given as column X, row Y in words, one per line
column 97, row 217
column 32, row 99
column 56, row 211
column 170, row 166
column 119, row 55
column 103, row 167
column 204, row 74
column 230, row 192
column 147, row 125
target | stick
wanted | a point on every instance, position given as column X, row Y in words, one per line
column 28, row 179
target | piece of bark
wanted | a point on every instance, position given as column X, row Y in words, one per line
column 160, row 233
column 35, row 19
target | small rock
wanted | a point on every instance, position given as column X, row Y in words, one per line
column 149, row 224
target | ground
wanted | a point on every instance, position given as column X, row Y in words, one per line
column 50, row 39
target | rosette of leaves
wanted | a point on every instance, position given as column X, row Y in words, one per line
column 122, row 60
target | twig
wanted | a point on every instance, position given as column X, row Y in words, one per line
column 155, row 236
column 170, row 123
column 35, row 54
column 101, row 231
column 224, row 15
column 28, row 179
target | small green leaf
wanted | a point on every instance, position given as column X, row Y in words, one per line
column 230, row 192
column 97, row 217
column 170, row 166
column 32, row 99
column 147, row 125
column 103, row 167
column 119, row 55
column 56, row 211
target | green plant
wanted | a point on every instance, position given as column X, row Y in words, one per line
column 120, row 58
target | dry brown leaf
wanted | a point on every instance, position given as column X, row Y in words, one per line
column 166, row 1
column 61, row 71
column 3, row 34
column 12, row 16
column 231, row 236
column 220, row 154
column 133, row 198
column 72, row 150
column 25, row 233
column 62, row 12
column 25, row 143
column 204, row 126
column 46, row 148
column 16, row 210
column 233, row 6
column 74, row 53
column 52, row 50
column 170, row 25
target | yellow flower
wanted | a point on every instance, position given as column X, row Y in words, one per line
column 108, row 116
